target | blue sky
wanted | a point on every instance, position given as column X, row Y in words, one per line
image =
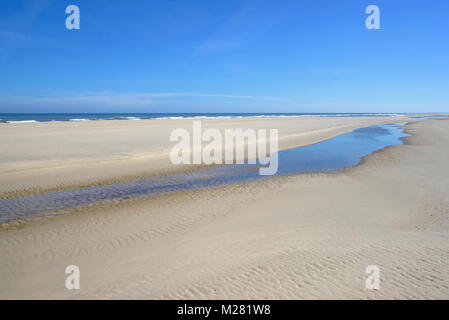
column 224, row 56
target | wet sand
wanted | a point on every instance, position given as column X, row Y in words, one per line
column 52, row 156
column 303, row 236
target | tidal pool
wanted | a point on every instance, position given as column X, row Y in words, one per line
column 331, row 155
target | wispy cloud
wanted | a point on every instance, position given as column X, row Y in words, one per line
column 108, row 99
column 13, row 36
column 252, row 19
column 16, row 27
column 230, row 96
column 336, row 71
column 216, row 46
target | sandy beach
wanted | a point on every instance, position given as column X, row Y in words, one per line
column 308, row 236
column 53, row 156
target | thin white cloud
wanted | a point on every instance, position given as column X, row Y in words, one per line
column 216, row 46
column 107, row 99
column 238, row 97
column 251, row 20
column 336, row 71
column 12, row 35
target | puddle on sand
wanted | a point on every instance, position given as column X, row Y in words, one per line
column 327, row 156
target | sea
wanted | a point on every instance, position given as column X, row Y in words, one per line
column 46, row 117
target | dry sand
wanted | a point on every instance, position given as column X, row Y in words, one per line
column 305, row 236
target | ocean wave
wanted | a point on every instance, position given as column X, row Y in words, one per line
column 173, row 118
column 78, row 119
column 21, row 121
column 280, row 116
